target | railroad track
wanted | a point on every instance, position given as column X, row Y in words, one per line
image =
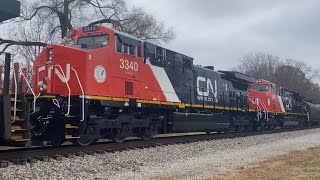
column 30, row 155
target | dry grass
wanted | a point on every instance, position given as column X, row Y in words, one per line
column 296, row 165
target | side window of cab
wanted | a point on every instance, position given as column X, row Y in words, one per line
column 128, row 45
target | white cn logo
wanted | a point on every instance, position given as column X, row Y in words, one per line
column 206, row 91
column 63, row 76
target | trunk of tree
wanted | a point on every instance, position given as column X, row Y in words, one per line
column 64, row 19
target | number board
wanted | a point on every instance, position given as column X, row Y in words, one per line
column 89, row 28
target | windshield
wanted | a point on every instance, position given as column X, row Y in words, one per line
column 69, row 43
column 260, row 87
column 93, row 42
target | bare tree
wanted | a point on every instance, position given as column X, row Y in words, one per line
column 310, row 73
column 293, row 75
column 259, row 65
column 34, row 30
column 143, row 25
column 52, row 19
column 292, row 78
column 313, row 93
column 297, row 76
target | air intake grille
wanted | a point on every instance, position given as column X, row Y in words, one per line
column 129, row 88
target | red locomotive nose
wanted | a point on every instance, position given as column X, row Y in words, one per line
column 55, row 68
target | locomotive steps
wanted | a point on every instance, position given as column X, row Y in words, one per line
column 15, row 113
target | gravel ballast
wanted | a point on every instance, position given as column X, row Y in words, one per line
column 198, row 160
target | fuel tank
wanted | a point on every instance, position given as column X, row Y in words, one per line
column 196, row 122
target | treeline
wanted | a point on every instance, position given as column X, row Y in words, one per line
column 293, row 75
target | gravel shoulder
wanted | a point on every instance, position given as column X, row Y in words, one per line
column 292, row 166
column 200, row 160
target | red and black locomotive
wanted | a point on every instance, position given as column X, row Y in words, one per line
column 101, row 83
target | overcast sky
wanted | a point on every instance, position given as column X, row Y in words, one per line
column 220, row 32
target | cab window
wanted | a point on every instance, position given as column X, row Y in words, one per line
column 69, row 42
column 93, row 42
column 260, row 87
column 125, row 48
column 127, row 45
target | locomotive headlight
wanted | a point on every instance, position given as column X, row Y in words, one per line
column 50, row 54
column 43, row 86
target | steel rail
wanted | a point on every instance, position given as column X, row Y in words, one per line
column 27, row 154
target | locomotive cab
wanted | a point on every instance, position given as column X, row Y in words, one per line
column 261, row 96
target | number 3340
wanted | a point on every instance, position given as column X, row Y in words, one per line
column 125, row 64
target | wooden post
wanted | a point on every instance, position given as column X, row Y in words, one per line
column 1, row 72
column 5, row 112
column 7, row 74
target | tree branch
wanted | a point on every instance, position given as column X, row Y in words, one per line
column 9, row 43
column 36, row 10
column 110, row 21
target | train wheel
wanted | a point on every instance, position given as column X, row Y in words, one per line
column 148, row 133
column 85, row 140
column 262, row 125
column 238, row 129
column 88, row 138
column 255, row 126
column 56, row 142
column 226, row 131
column 119, row 135
column 308, row 123
column 246, row 128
